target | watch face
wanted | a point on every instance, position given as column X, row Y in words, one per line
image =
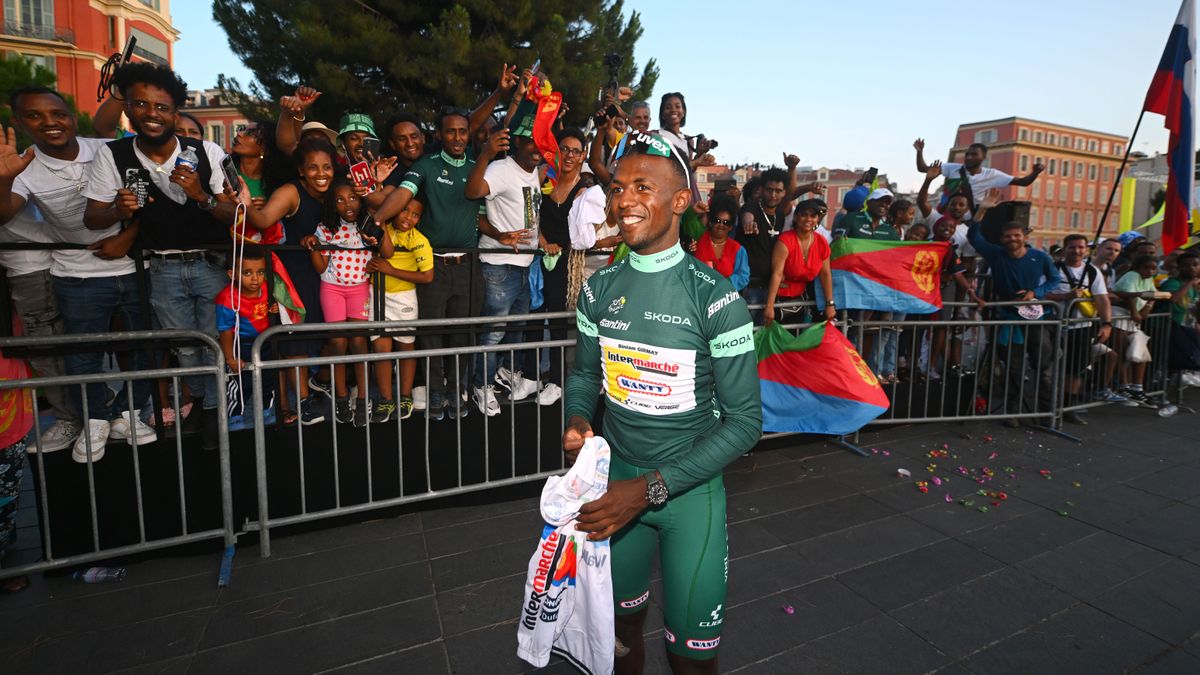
column 656, row 493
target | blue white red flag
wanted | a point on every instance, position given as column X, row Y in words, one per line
column 1172, row 95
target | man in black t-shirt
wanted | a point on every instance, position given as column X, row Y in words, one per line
column 759, row 226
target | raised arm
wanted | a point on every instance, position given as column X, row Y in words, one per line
column 596, row 154
column 1038, row 168
column 11, row 166
column 292, row 115
column 919, row 145
column 508, row 80
column 933, row 171
column 107, row 118
column 477, row 186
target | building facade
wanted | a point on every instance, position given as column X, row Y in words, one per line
column 219, row 119
column 1070, row 195
column 74, row 38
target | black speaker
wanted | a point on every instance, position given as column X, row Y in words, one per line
column 1005, row 212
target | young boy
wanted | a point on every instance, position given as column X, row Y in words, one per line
column 251, row 302
column 410, row 264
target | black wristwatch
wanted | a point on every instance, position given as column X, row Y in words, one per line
column 656, row 489
column 208, row 204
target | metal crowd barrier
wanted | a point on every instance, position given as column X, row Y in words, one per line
column 104, row 521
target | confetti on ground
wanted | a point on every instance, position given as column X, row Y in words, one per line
column 874, row 451
column 1076, row 484
column 987, row 439
column 994, row 455
column 1063, row 514
column 887, row 453
column 788, row 609
column 949, row 498
column 904, row 473
column 922, row 486
column 983, row 509
column 936, row 480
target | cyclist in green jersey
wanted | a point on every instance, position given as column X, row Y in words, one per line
column 670, row 342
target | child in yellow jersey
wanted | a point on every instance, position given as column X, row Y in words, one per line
column 411, row 264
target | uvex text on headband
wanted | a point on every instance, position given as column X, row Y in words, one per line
column 650, row 144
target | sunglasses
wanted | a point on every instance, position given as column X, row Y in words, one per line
column 722, row 221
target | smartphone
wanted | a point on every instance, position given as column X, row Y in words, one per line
column 127, row 52
column 360, row 173
column 371, row 147
column 869, row 176
column 137, row 181
column 231, row 174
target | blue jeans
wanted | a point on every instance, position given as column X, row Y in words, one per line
column 87, row 305
column 882, row 359
column 505, row 292
column 755, row 295
column 182, row 294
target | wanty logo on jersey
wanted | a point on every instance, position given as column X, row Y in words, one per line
column 555, row 572
column 643, row 386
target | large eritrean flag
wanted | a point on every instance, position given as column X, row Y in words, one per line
column 889, row 276
column 1170, row 95
column 815, row 382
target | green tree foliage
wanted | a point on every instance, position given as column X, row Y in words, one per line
column 17, row 72
column 381, row 56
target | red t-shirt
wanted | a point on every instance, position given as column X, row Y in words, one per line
column 799, row 271
column 705, row 253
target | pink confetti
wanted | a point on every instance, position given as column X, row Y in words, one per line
column 949, row 498
column 994, row 455
column 874, row 451
column 788, row 609
column 937, row 481
column 887, row 453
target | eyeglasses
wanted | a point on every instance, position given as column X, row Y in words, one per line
column 250, row 129
column 721, row 221
column 572, row 152
column 139, row 104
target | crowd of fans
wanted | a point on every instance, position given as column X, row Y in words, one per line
column 402, row 221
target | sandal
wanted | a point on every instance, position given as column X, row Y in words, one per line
column 288, row 418
column 14, row 585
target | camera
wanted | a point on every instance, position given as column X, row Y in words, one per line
column 613, row 61
column 699, row 139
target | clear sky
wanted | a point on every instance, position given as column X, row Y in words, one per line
column 844, row 89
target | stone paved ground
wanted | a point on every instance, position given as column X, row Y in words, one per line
column 882, row 578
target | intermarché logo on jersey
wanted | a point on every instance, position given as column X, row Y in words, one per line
column 555, row 571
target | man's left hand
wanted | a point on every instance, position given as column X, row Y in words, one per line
column 606, row 516
column 188, row 180
column 1103, row 334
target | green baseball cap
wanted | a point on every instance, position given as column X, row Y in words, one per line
column 356, row 122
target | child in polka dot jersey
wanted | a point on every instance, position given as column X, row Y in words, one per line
column 346, row 288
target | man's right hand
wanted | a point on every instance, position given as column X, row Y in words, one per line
column 498, row 142
column 515, row 239
column 111, row 248
column 934, row 170
column 12, row 163
column 126, row 204
column 919, row 144
column 578, row 430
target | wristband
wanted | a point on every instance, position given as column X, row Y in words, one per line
column 300, row 119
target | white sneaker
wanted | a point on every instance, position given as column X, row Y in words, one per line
column 518, row 387
column 485, row 399
column 58, row 436
column 1191, row 378
column 418, row 398
column 98, row 435
column 549, row 394
column 119, row 429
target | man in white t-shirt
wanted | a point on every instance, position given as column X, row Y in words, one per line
column 184, row 221
column 1080, row 280
column 42, row 191
column 981, row 178
column 512, row 190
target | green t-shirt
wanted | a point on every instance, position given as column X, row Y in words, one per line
column 450, row 219
column 857, row 225
column 1132, row 282
column 254, row 185
column 1181, row 312
column 670, row 342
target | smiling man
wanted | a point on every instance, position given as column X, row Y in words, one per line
column 669, row 342
column 184, row 217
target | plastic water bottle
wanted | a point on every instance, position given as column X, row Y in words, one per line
column 99, row 575
column 188, row 158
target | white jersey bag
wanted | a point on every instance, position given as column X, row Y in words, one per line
column 568, row 602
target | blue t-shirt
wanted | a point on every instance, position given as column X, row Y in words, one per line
column 1033, row 271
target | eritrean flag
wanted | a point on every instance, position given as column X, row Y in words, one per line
column 889, row 276
column 815, row 382
column 1170, row 95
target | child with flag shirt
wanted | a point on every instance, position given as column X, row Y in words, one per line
column 411, row 263
column 244, row 305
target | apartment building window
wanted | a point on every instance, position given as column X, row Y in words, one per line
column 1033, row 215
column 1091, row 194
column 1066, row 168
column 1091, row 146
column 1087, row 220
column 1052, row 139
column 1092, row 172
column 985, row 136
column 29, row 18
column 1036, row 189
column 1104, row 147
column 1065, row 141
column 1053, row 165
column 1062, row 218
column 1118, row 148
column 1024, row 134
column 215, row 132
column 1079, row 169
column 1078, row 193
column 1078, row 143
column 1107, row 173
column 1024, row 163
column 149, row 47
column 1062, row 191
column 1074, row 220
column 1021, row 192
column 1037, row 137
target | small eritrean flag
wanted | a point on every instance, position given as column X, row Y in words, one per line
column 815, row 382
column 889, row 276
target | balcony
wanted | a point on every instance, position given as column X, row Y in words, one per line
column 39, row 31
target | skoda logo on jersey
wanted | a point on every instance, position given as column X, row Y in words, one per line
column 617, row 305
column 643, row 386
column 667, row 318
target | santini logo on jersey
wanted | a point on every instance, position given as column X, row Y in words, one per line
column 725, row 300
column 667, row 318
column 613, row 324
column 643, row 386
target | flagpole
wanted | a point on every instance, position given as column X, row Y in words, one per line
column 1116, row 183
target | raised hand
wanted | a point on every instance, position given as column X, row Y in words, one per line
column 498, row 142
column 12, row 163
column 383, row 168
column 706, row 160
column 934, row 170
column 790, row 161
column 919, row 144
column 624, row 94
column 508, row 78
column 990, row 200
column 299, row 102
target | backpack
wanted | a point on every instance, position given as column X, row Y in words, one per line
column 1086, row 308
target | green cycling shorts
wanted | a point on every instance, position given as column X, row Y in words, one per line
column 690, row 532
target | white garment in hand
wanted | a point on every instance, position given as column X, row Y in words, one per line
column 568, row 602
